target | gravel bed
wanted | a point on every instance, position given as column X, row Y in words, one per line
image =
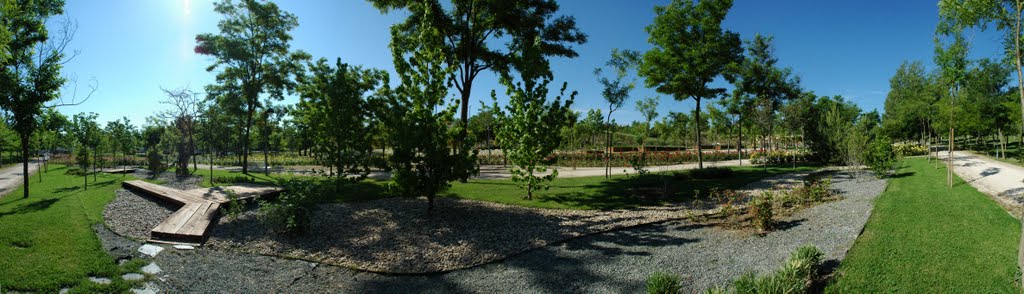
column 134, row 215
column 396, row 235
column 611, row 262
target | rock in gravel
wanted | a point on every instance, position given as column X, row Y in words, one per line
column 150, row 249
column 99, row 280
column 133, row 277
column 151, row 269
column 148, row 289
column 184, row 247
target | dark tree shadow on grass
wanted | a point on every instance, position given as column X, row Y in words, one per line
column 901, row 175
column 31, row 207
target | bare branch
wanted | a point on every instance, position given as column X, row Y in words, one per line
column 75, row 99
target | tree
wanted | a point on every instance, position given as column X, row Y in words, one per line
column 952, row 61
column 427, row 154
column 122, row 135
column 769, row 85
column 183, row 116
column 30, row 75
column 254, row 58
column 334, row 107
column 529, row 130
column 87, row 132
column 616, row 92
column 1006, row 15
column 690, row 50
column 468, row 29
column 648, row 107
column 908, row 102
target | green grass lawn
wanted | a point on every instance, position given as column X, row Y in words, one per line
column 925, row 237
column 47, row 242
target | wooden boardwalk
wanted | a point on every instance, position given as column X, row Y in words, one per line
column 199, row 208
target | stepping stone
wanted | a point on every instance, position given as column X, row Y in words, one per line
column 151, row 250
column 151, row 269
column 133, row 277
column 149, row 289
column 64, row 291
column 184, row 247
column 104, row 281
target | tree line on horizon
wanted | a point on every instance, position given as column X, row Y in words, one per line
column 425, row 137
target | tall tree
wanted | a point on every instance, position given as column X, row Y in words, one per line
column 427, row 154
column 907, row 103
column 30, row 75
column 648, row 108
column 87, row 132
column 690, row 50
column 123, row 138
column 529, row 130
column 334, row 106
column 254, row 58
column 1006, row 15
column 769, row 85
column 951, row 57
column 615, row 92
column 467, row 30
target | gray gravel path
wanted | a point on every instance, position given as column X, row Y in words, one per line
column 617, row 261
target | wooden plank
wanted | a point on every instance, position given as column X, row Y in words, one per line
column 176, row 221
column 201, row 221
column 174, row 195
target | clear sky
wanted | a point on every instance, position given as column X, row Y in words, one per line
column 848, row 48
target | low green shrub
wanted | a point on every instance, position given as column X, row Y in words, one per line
column 812, row 191
column 639, row 163
column 761, row 212
column 880, row 157
column 779, row 156
column 74, row 171
column 796, row 276
column 233, row 179
column 291, row 214
column 663, row 283
column 234, row 205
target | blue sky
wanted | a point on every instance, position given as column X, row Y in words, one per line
column 849, row 48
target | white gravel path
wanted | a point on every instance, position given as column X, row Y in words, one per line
column 11, row 177
column 1000, row 180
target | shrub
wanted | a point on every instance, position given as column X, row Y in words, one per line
column 880, row 157
column 796, row 276
column 779, row 156
column 711, row 173
column 761, row 211
column 155, row 161
column 910, row 149
column 639, row 163
column 812, row 191
column 234, row 179
column 234, row 205
column 663, row 283
column 75, row 171
column 292, row 213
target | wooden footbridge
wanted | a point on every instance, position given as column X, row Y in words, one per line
column 199, row 208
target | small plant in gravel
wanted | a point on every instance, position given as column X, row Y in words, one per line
column 663, row 283
column 234, row 207
column 729, row 201
column 760, row 210
column 292, row 213
column 796, row 276
column 639, row 163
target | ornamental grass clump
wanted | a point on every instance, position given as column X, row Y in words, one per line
column 663, row 283
column 796, row 276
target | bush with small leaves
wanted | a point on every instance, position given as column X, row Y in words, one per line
column 761, row 212
column 291, row 214
column 796, row 276
column 663, row 283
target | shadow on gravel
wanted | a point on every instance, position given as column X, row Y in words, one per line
column 786, row 225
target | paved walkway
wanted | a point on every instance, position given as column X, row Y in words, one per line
column 11, row 177
column 998, row 179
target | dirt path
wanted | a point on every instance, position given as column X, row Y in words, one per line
column 497, row 171
column 10, row 177
column 1000, row 180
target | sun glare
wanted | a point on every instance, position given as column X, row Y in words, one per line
column 187, row 7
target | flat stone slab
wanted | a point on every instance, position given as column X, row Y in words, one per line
column 150, row 249
column 151, row 269
column 149, row 289
column 99, row 280
column 133, row 277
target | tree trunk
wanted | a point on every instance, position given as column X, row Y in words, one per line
column 700, row 152
column 24, row 164
column 95, row 156
column 739, row 141
column 949, row 169
column 245, row 141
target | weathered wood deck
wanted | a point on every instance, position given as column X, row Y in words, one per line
column 199, row 208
